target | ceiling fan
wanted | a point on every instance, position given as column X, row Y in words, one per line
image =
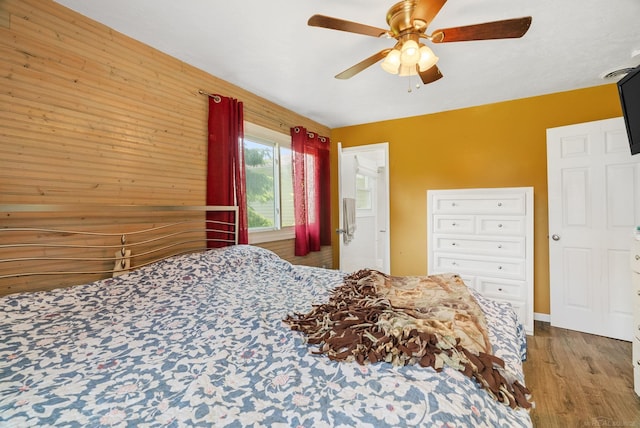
column 408, row 21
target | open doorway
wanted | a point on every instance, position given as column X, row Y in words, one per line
column 364, row 207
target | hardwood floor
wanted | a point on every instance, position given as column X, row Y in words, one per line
column 580, row 380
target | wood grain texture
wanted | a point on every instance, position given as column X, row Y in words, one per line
column 285, row 249
column 89, row 115
column 580, row 380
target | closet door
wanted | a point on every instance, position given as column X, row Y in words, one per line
column 486, row 237
column 594, row 206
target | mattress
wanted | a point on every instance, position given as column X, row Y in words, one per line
column 199, row 340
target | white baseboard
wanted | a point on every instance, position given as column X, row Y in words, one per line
column 541, row 317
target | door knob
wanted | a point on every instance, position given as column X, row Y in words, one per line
column 555, row 237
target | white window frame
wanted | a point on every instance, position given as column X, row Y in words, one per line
column 369, row 190
column 267, row 136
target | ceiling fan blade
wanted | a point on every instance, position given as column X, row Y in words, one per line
column 425, row 11
column 352, row 71
column 505, row 29
column 342, row 25
column 430, row 75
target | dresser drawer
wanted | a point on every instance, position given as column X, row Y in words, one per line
column 479, row 245
column 502, row 226
column 480, row 266
column 463, row 224
column 480, row 203
column 502, row 288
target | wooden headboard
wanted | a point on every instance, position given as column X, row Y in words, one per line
column 39, row 251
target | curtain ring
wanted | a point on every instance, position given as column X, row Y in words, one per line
column 296, row 130
column 216, row 98
column 323, row 139
column 310, row 135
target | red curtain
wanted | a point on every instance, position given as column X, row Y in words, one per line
column 225, row 165
column 311, row 194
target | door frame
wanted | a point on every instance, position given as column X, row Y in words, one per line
column 382, row 148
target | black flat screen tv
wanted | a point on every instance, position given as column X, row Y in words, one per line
column 629, row 89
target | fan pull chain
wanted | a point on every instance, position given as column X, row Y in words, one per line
column 409, row 90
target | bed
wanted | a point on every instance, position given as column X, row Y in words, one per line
column 198, row 339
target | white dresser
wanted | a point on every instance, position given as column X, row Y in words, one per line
column 485, row 236
column 635, row 277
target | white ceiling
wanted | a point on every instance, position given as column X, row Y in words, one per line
column 267, row 48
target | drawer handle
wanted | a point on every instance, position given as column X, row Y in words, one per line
column 453, row 204
column 454, row 224
column 500, row 290
column 637, row 257
column 500, row 225
column 499, row 204
column 499, row 267
column 454, row 264
column 453, row 244
column 499, row 245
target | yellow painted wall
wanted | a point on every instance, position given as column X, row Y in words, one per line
column 495, row 145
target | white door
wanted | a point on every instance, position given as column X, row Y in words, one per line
column 594, row 206
column 364, row 179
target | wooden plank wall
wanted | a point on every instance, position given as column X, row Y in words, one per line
column 88, row 115
column 285, row 249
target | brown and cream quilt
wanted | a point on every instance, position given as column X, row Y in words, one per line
column 433, row 321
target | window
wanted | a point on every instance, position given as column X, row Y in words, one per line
column 364, row 197
column 269, row 175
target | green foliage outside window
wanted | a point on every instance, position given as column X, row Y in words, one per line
column 258, row 160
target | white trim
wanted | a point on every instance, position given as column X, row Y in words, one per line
column 277, row 140
column 257, row 131
column 541, row 317
column 272, row 235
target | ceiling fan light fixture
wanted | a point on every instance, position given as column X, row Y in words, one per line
column 427, row 58
column 410, row 53
column 408, row 21
column 408, row 70
column 391, row 62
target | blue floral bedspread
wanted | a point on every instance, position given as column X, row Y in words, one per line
column 198, row 340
